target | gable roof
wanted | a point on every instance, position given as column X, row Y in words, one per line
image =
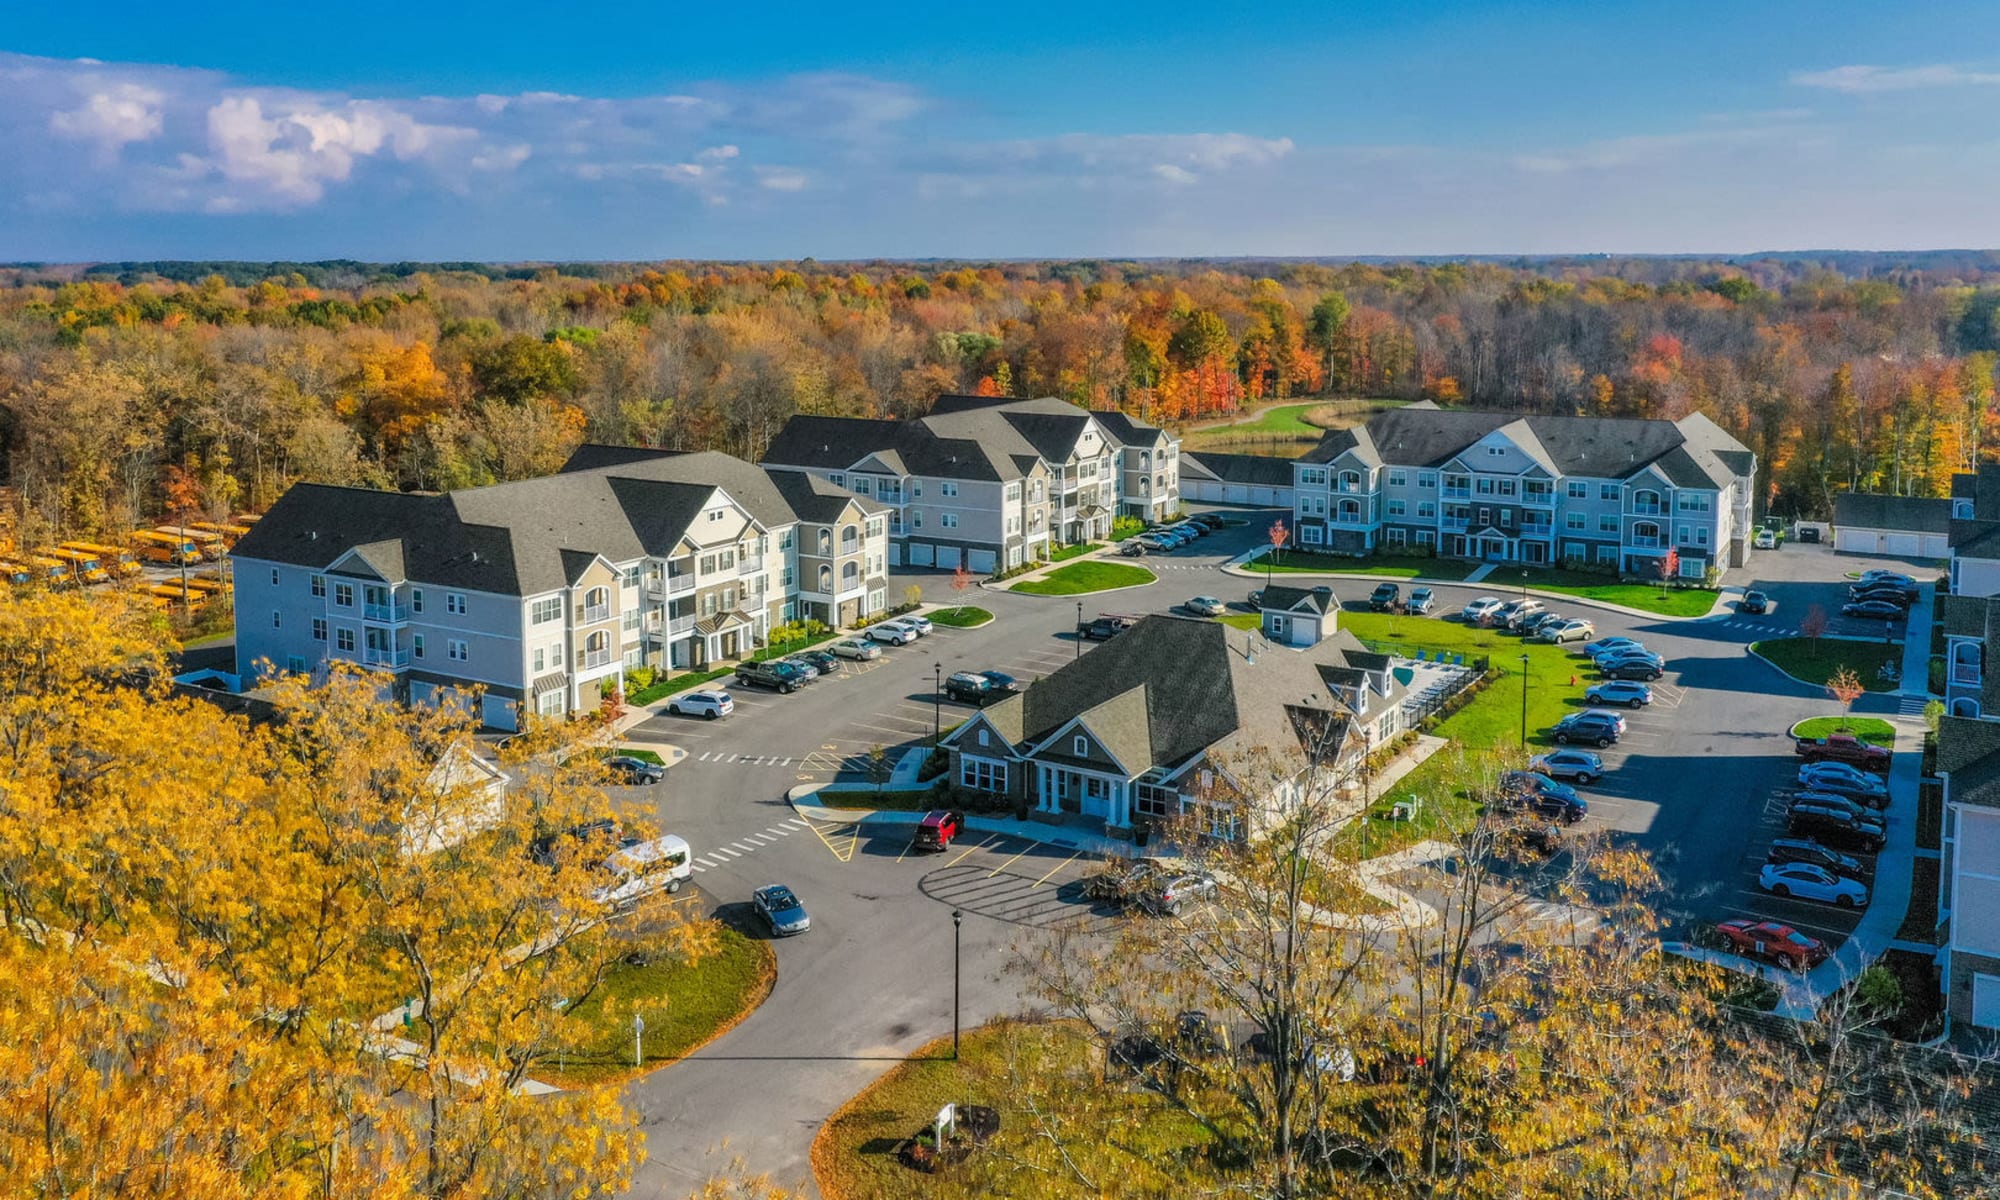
column 1280, row 598
column 1969, row 752
column 1975, row 539
column 1864, row 510
column 963, row 437
column 1257, row 469
column 812, row 498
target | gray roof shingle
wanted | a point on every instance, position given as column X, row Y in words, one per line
column 1260, row 470
column 1864, row 510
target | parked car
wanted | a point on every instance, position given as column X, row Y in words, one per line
column 1864, row 789
column 781, row 909
column 809, row 670
column 1480, row 609
column 1618, row 654
column 1542, row 795
column 1834, row 829
column 1103, row 629
column 1606, row 645
column 709, row 703
column 1887, row 593
column 1628, row 692
column 1844, row 747
column 1579, row 765
column 1839, row 806
column 1422, row 600
column 818, row 660
column 1765, row 540
column 1772, row 942
column 1595, row 726
column 635, row 772
column 1001, row 681
column 638, row 869
column 896, row 633
column 1121, row 883
column 1516, row 613
column 1890, row 579
column 1134, row 548
column 1831, row 769
column 1809, row 882
column 859, row 649
column 1558, row 632
column 1541, row 620
column 780, row 676
column 1641, row 669
column 1805, row 850
column 1168, row 895
column 937, row 828
column 1205, row 606
column 589, row 838
column 967, row 688
column 921, row 624
column 1880, row 610
column 1755, row 602
column 1208, row 521
column 1385, row 596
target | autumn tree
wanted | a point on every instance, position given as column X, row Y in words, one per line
column 1845, row 687
column 1813, row 624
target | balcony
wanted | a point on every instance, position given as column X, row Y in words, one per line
column 1541, row 530
column 376, row 657
column 589, row 660
column 594, row 614
column 1645, row 543
column 681, row 624
column 1645, row 510
column 385, row 613
column 1461, row 492
column 750, row 564
column 1455, row 524
column 680, row 584
column 1539, row 499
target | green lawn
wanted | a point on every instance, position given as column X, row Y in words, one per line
column 960, row 617
column 1079, row 578
column 1815, row 660
column 1065, row 553
column 1872, row 730
column 886, row 800
column 1648, row 597
column 651, row 756
column 683, row 1007
column 1396, row 566
column 1488, row 726
column 1242, row 620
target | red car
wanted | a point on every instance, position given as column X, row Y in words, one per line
column 1776, row 943
column 937, row 829
column 1845, row 747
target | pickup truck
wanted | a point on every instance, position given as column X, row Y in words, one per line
column 1385, row 597
column 1844, row 747
column 780, row 676
column 1103, row 629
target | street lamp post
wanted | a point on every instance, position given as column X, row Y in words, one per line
column 937, row 703
column 1079, row 629
column 1524, row 701
column 957, row 919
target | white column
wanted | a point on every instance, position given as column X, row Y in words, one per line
column 1121, row 803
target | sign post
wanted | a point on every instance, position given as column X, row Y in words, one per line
column 947, row 1119
column 638, row 1040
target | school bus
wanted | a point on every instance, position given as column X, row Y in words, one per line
column 167, row 595
column 207, row 585
column 171, row 548
column 228, row 531
column 120, row 562
column 55, row 572
column 15, row 573
column 82, row 564
column 211, row 545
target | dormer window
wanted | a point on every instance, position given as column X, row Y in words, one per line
column 1081, row 746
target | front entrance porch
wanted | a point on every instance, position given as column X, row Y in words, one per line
column 1066, row 791
column 722, row 638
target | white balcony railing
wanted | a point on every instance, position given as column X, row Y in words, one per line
column 1458, row 493
column 1646, row 543
column 594, row 614
column 750, row 564
column 681, row 624
column 678, row 584
column 375, row 657
column 1455, row 524
column 385, row 613
column 1966, row 673
column 590, row 659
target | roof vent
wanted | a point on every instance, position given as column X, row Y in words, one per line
column 475, row 556
column 314, row 535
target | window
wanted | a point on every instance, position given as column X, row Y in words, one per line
column 457, row 651
column 1427, row 509
column 726, row 559
column 1485, row 486
column 1311, row 535
column 544, row 611
column 1080, row 746
column 1396, row 537
column 862, row 485
column 1397, row 479
column 417, row 600
column 948, row 521
column 1578, row 490
column 1607, row 523
column 319, row 585
column 417, row 644
column 983, row 774
column 630, row 619
column 343, row 594
column 343, row 640
column 277, row 619
column 629, row 578
column 1573, row 520
column 1506, row 487
column 948, row 488
column 593, row 600
column 541, row 659
column 916, row 519
column 1607, row 491
column 319, row 629
column 1013, row 493
column 1426, row 537
column 454, row 602
column 1700, row 536
column 1692, row 501
column 295, row 665
column 1496, row 451
column 1427, row 479
column 825, row 579
column 1312, row 476
column 837, row 479
column 1395, row 508
column 274, row 577
column 1155, row 799
column 826, row 543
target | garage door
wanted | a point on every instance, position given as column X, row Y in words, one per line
column 498, row 712
column 1937, row 545
column 1235, row 493
column 1903, row 545
column 980, row 561
column 895, row 554
column 922, row 554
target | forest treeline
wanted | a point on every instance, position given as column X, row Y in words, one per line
column 137, row 391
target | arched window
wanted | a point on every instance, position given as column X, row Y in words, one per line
column 1145, row 459
column 597, row 642
column 850, row 576
column 596, row 597
column 1350, row 481
column 826, row 543
column 1965, row 706
column 1081, row 746
column 1646, row 533
column 825, row 578
column 850, row 539
column 1350, row 510
column 1145, row 483
column 1646, row 501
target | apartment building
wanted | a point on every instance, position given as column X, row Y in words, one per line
column 538, row 592
column 1968, row 762
column 1538, row 491
column 987, row 482
column 1974, row 532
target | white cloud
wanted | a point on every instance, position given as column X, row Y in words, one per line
column 781, row 179
column 115, row 117
column 291, row 155
column 718, row 153
column 1174, row 174
column 1861, row 79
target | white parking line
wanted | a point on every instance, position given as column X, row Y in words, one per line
column 780, row 830
column 728, row 851
column 758, row 838
column 796, row 823
column 744, row 848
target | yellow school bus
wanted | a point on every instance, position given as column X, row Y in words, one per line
column 228, row 531
column 169, row 595
column 54, row 571
column 208, row 585
column 211, row 544
column 170, row 548
column 121, row 562
column 82, row 564
column 15, row 573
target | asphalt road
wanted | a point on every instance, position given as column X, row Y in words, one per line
column 1692, row 784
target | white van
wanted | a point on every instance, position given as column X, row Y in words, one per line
column 642, row 868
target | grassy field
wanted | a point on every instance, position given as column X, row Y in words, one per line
column 1283, row 430
column 1815, row 660
column 1079, row 578
column 650, row 756
column 1873, row 730
column 959, row 617
column 1489, row 727
column 684, row 1008
column 886, row 800
column 1065, row 553
column 1395, row 566
column 853, row 1156
column 1648, row 597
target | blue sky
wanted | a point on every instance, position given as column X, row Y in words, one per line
column 628, row 130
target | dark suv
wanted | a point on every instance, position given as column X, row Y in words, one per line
column 1103, row 629
column 1385, row 597
column 968, row 688
column 779, row 676
column 1805, row 850
column 1597, row 728
column 1835, row 829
